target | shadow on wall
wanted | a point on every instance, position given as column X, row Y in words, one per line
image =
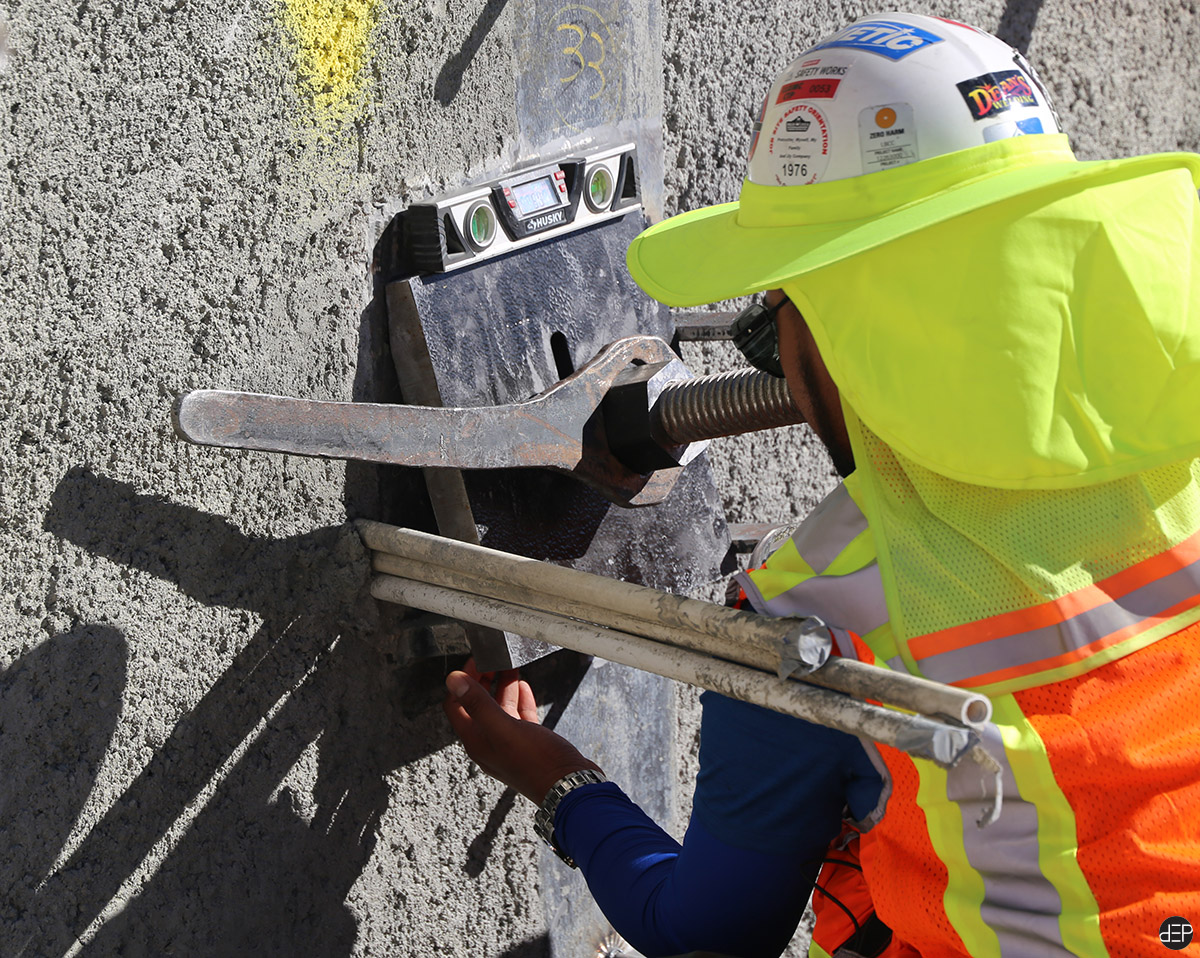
column 533, row 948
column 208, row 851
column 449, row 79
column 1017, row 22
column 249, row 864
column 59, row 705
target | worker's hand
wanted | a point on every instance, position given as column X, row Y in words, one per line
column 503, row 735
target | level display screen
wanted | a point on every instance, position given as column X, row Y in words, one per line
column 535, row 195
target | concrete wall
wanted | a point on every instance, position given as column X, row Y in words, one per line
column 206, row 745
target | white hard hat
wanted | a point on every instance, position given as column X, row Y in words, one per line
column 892, row 89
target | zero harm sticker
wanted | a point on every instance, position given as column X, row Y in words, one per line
column 888, row 136
column 995, row 93
column 799, row 145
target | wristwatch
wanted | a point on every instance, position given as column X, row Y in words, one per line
column 543, row 818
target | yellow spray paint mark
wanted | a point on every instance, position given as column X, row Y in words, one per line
column 332, row 47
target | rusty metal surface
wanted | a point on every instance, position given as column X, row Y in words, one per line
column 656, row 417
column 556, row 430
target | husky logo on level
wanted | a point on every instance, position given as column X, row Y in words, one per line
column 798, row 125
column 541, row 222
column 888, row 38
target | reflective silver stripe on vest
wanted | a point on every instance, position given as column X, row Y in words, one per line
column 979, row 659
column 854, row 601
column 1019, row 903
column 828, row 529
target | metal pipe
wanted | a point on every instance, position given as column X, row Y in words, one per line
column 903, row 690
column 842, row 675
column 583, row 587
column 743, row 637
column 725, row 404
column 749, row 653
column 918, row 735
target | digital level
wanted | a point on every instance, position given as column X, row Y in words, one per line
column 517, row 210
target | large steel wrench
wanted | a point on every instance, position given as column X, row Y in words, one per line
column 558, row 429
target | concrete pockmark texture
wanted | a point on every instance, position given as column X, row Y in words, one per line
column 211, row 741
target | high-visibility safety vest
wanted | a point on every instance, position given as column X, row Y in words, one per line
column 1021, row 386
column 1096, row 696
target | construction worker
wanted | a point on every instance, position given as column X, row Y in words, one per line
column 1000, row 346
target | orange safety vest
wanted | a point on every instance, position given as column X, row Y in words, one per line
column 1098, row 842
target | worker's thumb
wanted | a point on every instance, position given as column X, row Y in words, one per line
column 471, row 695
column 458, row 684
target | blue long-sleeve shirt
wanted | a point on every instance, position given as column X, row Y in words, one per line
column 770, row 797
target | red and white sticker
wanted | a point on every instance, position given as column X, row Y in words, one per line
column 820, row 88
column 799, row 145
column 811, row 80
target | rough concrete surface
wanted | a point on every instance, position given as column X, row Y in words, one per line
column 207, row 745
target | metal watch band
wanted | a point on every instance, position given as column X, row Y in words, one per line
column 543, row 818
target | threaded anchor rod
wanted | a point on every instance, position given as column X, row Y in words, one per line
column 725, row 404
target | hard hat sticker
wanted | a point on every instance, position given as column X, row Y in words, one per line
column 818, row 89
column 799, row 145
column 888, row 38
column 799, row 68
column 1002, row 131
column 995, row 93
column 888, row 136
column 810, row 80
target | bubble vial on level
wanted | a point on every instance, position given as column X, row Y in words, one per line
column 481, row 225
column 599, row 189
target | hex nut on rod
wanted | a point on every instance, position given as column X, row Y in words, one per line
column 629, row 425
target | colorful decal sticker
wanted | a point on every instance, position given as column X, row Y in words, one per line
column 808, row 90
column 888, row 136
column 888, row 38
column 1002, row 131
column 799, row 145
column 995, row 93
